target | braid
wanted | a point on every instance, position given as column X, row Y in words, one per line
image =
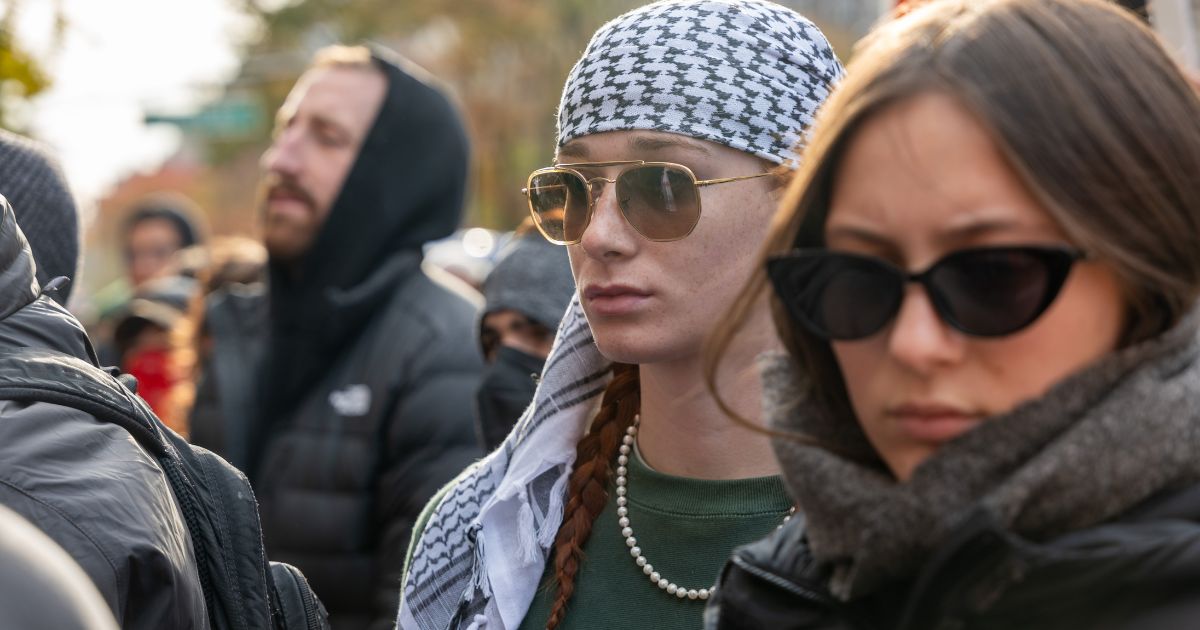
column 588, row 486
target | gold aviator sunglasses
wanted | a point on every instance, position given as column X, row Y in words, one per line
column 660, row 200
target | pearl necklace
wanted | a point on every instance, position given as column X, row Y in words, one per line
column 627, row 529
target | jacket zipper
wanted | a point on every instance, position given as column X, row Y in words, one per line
column 310, row 607
column 188, row 507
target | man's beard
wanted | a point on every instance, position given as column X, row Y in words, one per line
column 286, row 237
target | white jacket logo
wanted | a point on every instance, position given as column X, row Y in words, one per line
column 351, row 400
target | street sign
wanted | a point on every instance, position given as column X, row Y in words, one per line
column 224, row 119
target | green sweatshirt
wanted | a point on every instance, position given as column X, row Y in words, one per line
column 686, row 528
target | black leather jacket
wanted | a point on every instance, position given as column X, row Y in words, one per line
column 1141, row 571
column 88, row 484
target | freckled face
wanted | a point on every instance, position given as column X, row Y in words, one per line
column 678, row 290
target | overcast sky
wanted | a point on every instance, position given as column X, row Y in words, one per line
column 117, row 60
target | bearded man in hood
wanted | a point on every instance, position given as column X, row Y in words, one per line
column 345, row 389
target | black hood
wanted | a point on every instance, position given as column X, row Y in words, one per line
column 406, row 188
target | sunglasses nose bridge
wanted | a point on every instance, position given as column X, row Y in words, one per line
column 932, row 293
column 595, row 188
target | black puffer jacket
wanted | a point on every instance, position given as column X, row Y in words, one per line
column 362, row 404
column 1140, row 572
column 85, row 483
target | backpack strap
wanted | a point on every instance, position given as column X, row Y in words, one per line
column 215, row 500
column 36, row 375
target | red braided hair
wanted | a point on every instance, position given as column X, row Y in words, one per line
column 587, row 490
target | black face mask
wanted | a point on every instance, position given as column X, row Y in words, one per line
column 507, row 389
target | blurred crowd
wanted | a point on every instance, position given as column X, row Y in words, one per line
column 968, row 262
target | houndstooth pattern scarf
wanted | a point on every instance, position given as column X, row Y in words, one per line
column 746, row 74
column 481, row 556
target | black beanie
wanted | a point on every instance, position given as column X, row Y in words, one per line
column 31, row 180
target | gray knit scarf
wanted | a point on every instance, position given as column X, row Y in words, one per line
column 1098, row 443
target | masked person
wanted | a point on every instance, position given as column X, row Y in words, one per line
column 348, row 396
column 671, row 129
column 525, row 296
column 986, row 278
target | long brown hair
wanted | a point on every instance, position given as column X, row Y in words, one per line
column 1088, row 108
column 587, row 489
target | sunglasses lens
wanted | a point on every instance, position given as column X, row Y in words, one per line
column 988, row 292
column 558, row 201
column 660, row 202
column 996, row 292
column 837, row 296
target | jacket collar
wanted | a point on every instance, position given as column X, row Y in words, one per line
column 981, row 567
column 18, row 284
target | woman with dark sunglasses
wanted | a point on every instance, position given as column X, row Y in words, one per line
column 986, row 276
column 623, row 488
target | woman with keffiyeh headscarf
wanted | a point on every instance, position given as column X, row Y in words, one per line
column 624, row 486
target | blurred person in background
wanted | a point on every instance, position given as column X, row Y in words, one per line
column 361, row 405
column 32, row 182
column 159, row 334
column 986, row 277
column 226, row 316
column 525, row 296
column 156, row 228
column 148, row 340
column 224, row 261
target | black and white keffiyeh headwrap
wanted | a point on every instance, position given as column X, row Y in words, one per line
column 746, row 74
